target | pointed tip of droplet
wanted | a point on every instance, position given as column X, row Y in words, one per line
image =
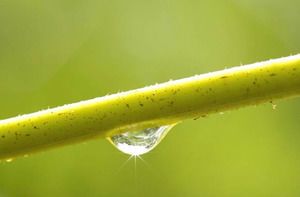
column 132, row 150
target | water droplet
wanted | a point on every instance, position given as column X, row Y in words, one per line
column 140, row 142
column 273, row 105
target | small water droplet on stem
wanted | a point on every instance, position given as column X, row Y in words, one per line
column 273, row 105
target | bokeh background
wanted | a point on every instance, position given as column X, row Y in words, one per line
column 63, row 51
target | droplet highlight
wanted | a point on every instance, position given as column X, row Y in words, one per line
column 140, row 142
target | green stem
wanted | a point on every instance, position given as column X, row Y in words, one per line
column 157, row 105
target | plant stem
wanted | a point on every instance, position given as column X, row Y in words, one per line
column 157, row 105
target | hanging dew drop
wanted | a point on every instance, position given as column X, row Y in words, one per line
column 140, row 142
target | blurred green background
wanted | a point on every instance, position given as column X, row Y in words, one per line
column 62, row 51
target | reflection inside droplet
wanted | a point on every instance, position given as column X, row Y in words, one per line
column 139, row 142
